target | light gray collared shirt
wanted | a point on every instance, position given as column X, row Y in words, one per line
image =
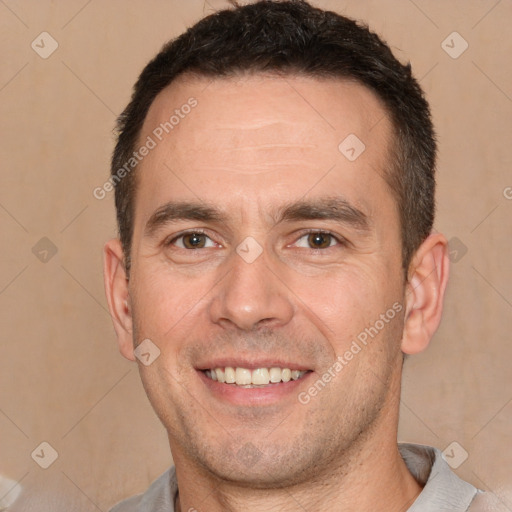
column 443, row 490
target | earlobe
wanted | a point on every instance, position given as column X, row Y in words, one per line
column 118, row 297
column 428, row 277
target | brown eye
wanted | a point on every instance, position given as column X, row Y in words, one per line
column 194, row 241
column 319, row 240
column 314, row 240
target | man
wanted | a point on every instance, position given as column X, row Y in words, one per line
column 276, row 262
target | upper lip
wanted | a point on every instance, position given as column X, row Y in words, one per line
column 251, row 364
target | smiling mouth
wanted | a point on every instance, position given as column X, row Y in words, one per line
column 259, row 377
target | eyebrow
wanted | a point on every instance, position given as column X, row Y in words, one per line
column 335, row 208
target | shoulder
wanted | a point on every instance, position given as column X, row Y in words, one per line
column 487, row 502
column 159, row 496
column 128, row 505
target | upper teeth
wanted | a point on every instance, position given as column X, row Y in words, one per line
column 258, row 376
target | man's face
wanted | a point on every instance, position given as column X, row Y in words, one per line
column 254, row 289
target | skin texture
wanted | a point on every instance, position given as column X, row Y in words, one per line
column 251, row 145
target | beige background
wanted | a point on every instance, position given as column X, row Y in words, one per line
column 62, row 380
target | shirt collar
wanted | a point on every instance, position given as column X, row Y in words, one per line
column 442, row 488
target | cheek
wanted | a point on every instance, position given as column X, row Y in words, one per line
column 344, row 301
column 165, row 303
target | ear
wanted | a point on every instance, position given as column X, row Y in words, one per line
column 118, row 297
column 427, row 279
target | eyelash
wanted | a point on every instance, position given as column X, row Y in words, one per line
column 339, row 239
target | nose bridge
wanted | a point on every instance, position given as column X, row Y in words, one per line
column 251, row 293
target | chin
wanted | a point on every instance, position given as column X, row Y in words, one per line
column 272, row 466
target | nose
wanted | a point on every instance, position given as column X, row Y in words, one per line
column 251, row 294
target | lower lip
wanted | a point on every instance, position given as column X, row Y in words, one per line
column 253, row 396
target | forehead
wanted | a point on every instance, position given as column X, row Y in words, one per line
column 317, row 108
column 294, row 133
